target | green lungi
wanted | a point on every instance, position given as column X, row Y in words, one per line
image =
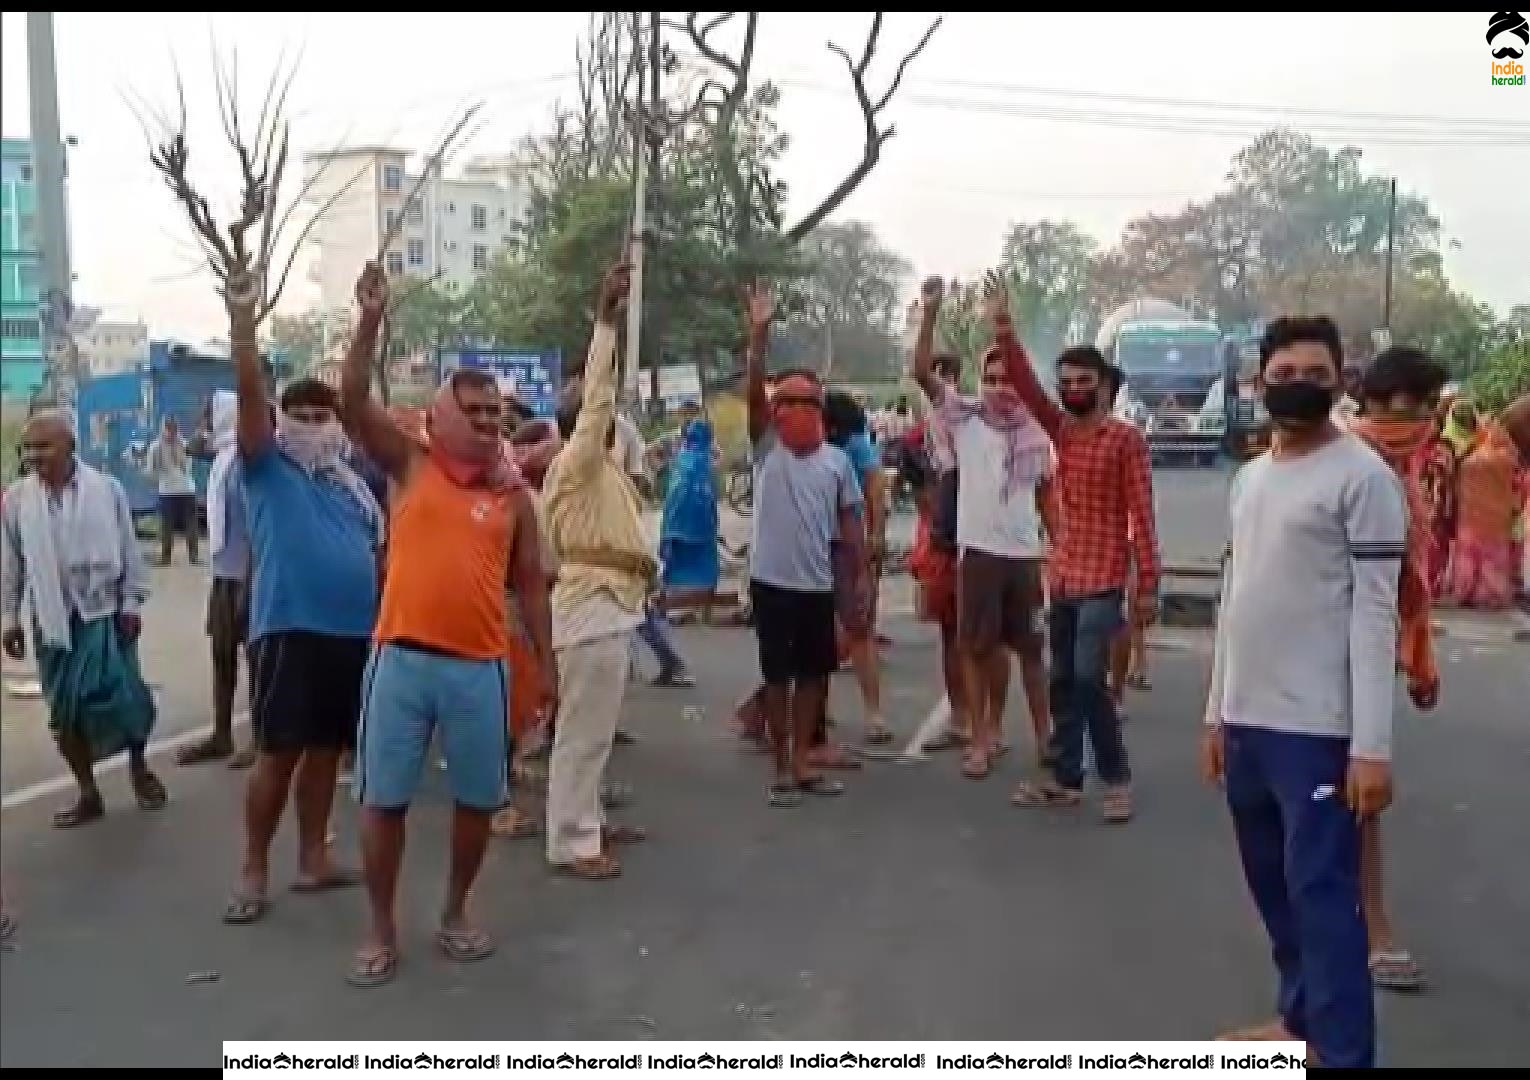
column 95, row 689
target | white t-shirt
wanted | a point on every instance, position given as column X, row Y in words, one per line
column 985, row 520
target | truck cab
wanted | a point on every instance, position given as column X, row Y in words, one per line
column 1175, row 386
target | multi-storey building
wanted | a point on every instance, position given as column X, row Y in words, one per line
column 21, row 346
column 449, row 232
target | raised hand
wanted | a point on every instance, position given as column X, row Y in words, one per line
column 241, row 295
column 615, row 289
column 995, row 297
column 759, row 306
column 372, row 290
column 931, row 293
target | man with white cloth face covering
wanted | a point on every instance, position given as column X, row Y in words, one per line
column 314, row 530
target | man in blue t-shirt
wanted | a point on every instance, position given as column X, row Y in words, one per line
column 314, row 531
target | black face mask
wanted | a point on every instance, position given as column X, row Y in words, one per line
column 1080, row 402
column 1299, row 403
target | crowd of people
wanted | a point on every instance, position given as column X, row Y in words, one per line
column 474, row 583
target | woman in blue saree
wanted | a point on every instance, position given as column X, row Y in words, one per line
column 688, row 535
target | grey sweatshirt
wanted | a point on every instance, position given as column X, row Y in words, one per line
column 1307, row 635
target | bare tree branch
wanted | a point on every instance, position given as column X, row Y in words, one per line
column 876, row 135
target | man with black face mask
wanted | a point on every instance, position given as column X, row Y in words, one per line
column 1299, row 716
column 1106, row 534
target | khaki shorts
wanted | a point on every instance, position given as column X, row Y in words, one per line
column 1000, row 601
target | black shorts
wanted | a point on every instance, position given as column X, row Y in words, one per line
column 796, row 633
column 306, row 690
column 178, row 513
column 228, row 611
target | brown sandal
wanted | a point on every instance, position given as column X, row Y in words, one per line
column 622, row 834
column 595, row 868
column 1044, row 793
column 975, row 764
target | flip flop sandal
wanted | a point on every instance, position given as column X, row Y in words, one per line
column 149, row 792
column 1116, row 807
column 975, row 766
column 878, row 735
column 81, row 813
column 623, row 738
column 465, row 946
column 785, row 795
column 373, row 970
column 622, row 834
column 335, row 879
column 679, row 680
column 599, row 868
column 1044, row 794
column 1395, row 969
column 615, row 794
column 514, row 825
column 1269, row 1031
column 244, row 759
column 206, row 750
column 833, row 757
column 821, row 787
column 242, row 910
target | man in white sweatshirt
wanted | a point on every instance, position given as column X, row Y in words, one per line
column 1299, row 717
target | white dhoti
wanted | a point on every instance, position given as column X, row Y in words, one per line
column 592, row 683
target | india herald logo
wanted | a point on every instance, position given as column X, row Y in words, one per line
column 1508, row 34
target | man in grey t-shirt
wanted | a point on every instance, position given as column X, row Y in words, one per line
column 805, row 498
column 1299, row 717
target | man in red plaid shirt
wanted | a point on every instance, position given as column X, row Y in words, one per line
column 1105, row 487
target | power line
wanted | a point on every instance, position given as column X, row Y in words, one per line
column 1192, row 125
column 1368, row 118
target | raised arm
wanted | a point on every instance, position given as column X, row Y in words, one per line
column 586, row 447
column 1022, row 374
column 255, row 431
column 930, row 296
column 759, row 308
column 368, row 421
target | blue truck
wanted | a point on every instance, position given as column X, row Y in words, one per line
column 120, row 415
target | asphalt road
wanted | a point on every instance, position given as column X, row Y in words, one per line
column 920, row 906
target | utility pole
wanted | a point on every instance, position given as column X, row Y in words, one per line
column 654, row 129
column 639, row 225
column 55, row 304
column 1386, row 292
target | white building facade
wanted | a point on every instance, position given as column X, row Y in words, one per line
column 109, row 348
column 451, row 233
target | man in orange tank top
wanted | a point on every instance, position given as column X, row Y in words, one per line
column 463, row 530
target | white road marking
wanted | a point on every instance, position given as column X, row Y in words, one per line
column 55, row 784
column 939, row 717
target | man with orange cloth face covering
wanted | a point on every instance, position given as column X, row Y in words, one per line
column 807, row 499
column 462, row 530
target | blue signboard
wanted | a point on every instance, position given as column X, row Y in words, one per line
column 531, row 376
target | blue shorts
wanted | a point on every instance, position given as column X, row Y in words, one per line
column 406, row 695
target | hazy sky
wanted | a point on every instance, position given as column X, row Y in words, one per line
column 977, row 145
